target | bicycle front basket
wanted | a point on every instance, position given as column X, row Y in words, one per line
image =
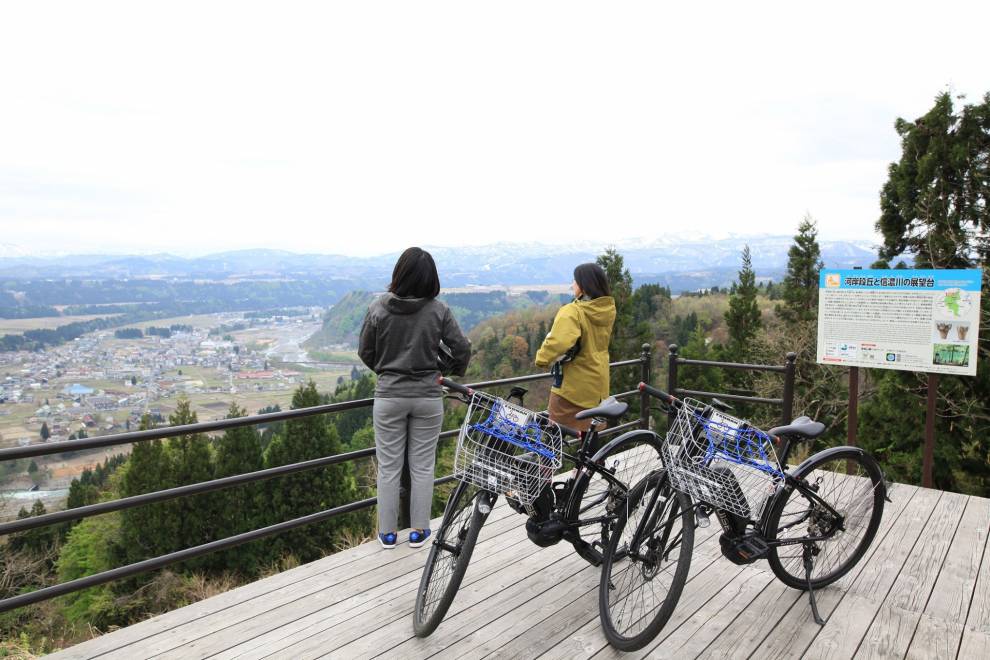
column 507, row 449
column 721, row 460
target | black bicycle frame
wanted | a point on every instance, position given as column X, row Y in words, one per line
column 586, row 467
column 796, row 484
column 645, row 523
column 789, row 482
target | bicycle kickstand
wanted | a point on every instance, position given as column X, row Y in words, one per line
column 809, row 564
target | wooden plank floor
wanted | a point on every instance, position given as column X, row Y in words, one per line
column 922, row 591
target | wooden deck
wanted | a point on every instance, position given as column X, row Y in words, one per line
column 923, row 591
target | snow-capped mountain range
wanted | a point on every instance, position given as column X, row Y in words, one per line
column 681, row 263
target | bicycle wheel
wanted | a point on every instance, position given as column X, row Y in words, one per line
column 646, row 563
column 449, row 556
column 629, row 458
column 848, row 480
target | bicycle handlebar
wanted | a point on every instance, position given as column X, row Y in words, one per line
column 456, row 387
column 657, row 393
column 468, row 392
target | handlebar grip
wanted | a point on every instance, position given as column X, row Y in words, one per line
column 569, row 432
column 456, row 387
column 658, row 393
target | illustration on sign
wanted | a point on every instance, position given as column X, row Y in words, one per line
column 913, row 320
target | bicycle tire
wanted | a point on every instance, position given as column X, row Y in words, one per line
column 631, row 457
column 449, row 556
column 851, row 482
column 632, row 630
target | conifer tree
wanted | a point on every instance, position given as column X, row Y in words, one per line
column 804, row 262
column 622, row 344
column 743, row 316
column 936, row 199
column 627, row 337
column 239, row 509
column 82, row 493
column 697, row 348
column 934, row 207
column 313, row 490
column 35, row 473
column 347, row 423
column 191, row 463
column 147, row 530
column 38, row 540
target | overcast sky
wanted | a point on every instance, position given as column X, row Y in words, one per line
column 363, row 127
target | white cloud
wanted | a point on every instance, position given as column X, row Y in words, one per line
column 363, row 127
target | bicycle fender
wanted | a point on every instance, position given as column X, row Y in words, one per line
column 802, row 468
column 862, row 452
column 583, row 474
column 654, row 440
column 782, row 490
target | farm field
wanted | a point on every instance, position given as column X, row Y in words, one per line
column 20, row 326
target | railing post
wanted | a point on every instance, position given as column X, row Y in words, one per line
column 646, row 369
column 672, row 370
column 788, row 406
column 672, row 378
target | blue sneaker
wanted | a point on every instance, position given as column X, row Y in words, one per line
column 418, row 538
column 387, row 541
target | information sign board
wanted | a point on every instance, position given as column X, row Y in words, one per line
column 912, row 320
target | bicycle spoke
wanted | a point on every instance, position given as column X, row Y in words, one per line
column 852, row 495
column 444, row 556
column 627, row 463
column 643, row 579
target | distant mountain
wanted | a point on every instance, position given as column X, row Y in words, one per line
column 685, row 264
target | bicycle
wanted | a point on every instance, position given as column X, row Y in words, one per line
column 812, row 523
column 505, row 449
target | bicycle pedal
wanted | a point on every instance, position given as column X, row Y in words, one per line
column 741, row 550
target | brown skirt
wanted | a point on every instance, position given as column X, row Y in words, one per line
column 562, row 411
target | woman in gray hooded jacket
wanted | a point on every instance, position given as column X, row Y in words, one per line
column 400, row 341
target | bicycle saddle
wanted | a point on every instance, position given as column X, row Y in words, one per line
column 803, row 426
column 608, row 408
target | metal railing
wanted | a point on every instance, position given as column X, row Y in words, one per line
column 786, row 401
column 644, row 361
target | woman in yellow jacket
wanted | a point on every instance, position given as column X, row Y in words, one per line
column 586, row 326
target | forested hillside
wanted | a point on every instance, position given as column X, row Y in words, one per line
column 343, row 322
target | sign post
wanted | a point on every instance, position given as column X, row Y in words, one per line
column 852, row 430
column 928, row 455
column 909, row 320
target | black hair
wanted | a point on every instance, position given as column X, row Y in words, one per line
column 593, row 281
column 415, row 275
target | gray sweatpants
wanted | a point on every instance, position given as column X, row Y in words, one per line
column 406, row 427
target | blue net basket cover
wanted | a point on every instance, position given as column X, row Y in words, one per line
column 743, row 446
column 525, row 436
